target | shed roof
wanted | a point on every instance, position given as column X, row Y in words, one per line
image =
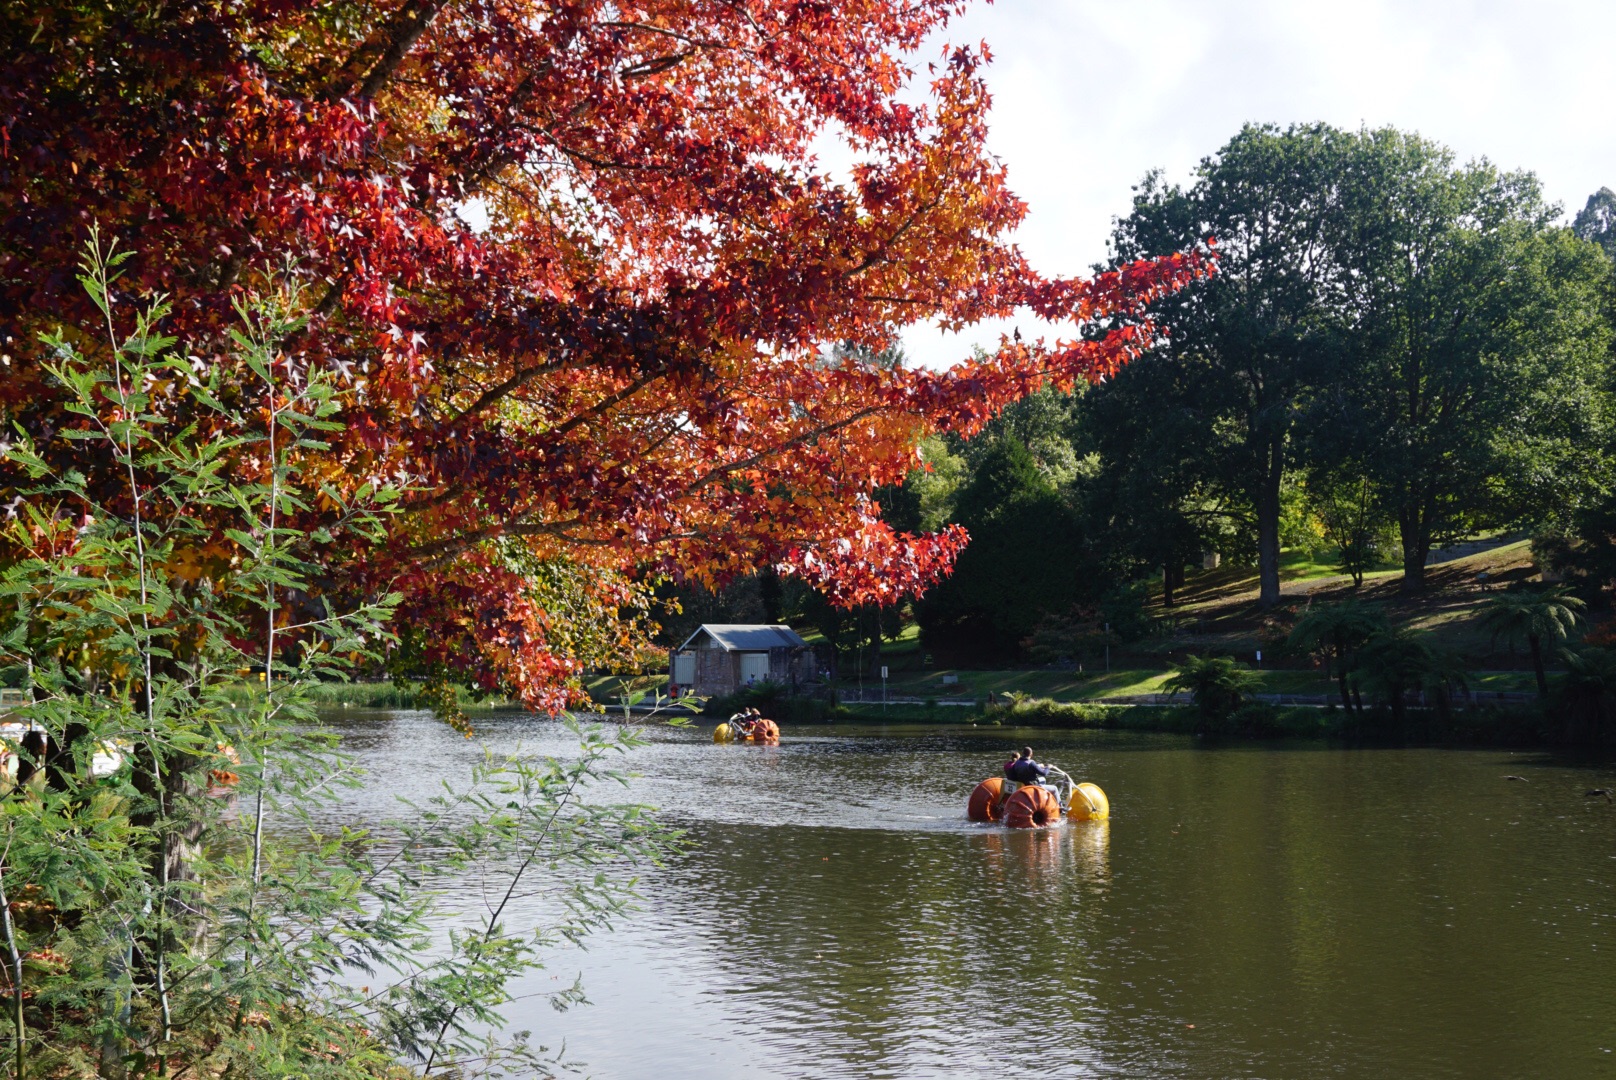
column 748, row 637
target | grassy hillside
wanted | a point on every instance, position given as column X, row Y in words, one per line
column 1217, row 613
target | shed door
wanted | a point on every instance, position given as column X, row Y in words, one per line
column 684, row 668
column 754, row 667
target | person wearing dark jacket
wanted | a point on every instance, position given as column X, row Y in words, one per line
column 1024, row 770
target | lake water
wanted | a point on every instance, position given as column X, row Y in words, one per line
column 1273, row 912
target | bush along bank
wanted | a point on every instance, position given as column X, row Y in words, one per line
column 380, row 695
column 1502, row 725
column 773, row 701
column 1254, row 720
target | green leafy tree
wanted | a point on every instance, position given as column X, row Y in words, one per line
column 1338, row 630
column 1022, row 564
column 1596, row 221
column 1353, row 518
column 1218, row 685
column 1537, row 617
column 1586, row 549
column 1396, row 662
column 1047, row 423
column 1391, row 665
column 1244, row 346
column 1473, row 343
column 1156, row 499
column 1588, row 694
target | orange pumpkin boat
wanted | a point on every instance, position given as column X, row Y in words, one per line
column 761, row 731
column 1037, row 806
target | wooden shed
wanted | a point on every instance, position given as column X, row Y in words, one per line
column 721, row 658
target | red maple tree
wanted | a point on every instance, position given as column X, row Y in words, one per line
column 620, row 372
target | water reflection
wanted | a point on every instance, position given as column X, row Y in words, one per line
column 1040, row 862
column 882, row 948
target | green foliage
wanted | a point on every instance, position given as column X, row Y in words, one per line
column 1046, row 424
column 1262, row 720
column 1473, row 342
column 772, row 700
column 1520, row 615
column 1253, row 719
column 1082, row 632
column 1218, row 685
column 1337, row 631
column 1354, row 520
column 934, row 486
column 155, row 930
column 1022, row 563
column 1396, row 662
column 1024, row 711
column 1587, row 695
column 1596, row 221
column 1419, row 338
column 1535, row 617
column 1246, row 346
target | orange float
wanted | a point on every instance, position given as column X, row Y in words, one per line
column 986, row 801
column 221, row 779
column 765, row 733
column 1031, row 807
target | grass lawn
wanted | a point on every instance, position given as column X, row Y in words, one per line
column 1071, row 686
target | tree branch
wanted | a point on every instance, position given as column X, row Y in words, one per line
column 374, row 62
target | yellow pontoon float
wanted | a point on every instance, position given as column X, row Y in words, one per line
column 1035, row 806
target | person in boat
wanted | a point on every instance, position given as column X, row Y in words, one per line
column 1024, row 770
column 745, row 721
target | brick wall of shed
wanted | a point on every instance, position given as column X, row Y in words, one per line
column 717, row 672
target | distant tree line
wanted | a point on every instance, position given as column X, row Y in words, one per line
column 1398, row 350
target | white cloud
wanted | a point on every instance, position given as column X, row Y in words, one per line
column 1091, row 94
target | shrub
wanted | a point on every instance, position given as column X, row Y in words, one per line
column 213, row 943
column 1218, row 685
column 1023, row 711
column 772, row 700
column 1587, row 696
column 1262, row 720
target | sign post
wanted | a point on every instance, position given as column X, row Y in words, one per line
column 883, row 686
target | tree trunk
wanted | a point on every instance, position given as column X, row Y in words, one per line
column 61, row 773
column 1341, row 677
column 1268, row 526
column 875, row 642
column 1172, row 581
column 172, row 786
column 1413, row 526
column 1536, row 644
column 770, row 593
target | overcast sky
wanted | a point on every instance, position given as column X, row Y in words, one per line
column 1091, row 94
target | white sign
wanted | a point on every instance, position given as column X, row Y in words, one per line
column 1259, row 656
column 883, row 671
